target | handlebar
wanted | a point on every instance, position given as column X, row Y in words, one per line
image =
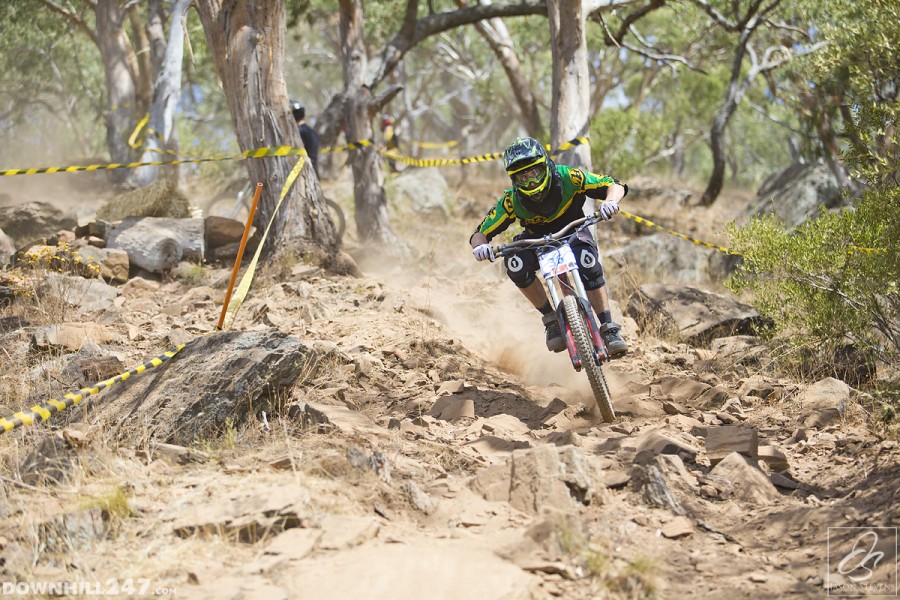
column 581, row 223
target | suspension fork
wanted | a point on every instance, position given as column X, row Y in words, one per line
column 573, row 281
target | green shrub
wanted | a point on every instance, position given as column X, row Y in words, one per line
column 832, row 281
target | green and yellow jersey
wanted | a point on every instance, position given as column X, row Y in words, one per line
column 564, row 204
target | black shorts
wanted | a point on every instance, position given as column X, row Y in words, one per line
column 521, row 266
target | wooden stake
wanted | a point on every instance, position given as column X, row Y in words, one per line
column 240, row 255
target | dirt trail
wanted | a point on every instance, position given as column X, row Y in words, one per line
column 525, row 496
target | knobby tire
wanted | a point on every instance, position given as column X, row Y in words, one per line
column 575, row 318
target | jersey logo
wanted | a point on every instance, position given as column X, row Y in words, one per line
column 577, row 177
column 587, row 259
column 508, row 203
column 515, row 264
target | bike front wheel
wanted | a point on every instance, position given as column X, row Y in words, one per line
column 576, row 321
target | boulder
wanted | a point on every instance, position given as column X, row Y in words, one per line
column 32, row 221
column 797, row 193
column 697, row 316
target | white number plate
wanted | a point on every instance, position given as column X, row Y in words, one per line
column 558, row 261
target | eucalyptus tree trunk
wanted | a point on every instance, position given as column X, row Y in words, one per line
column 571, row 105
column 120, row 82
column 161, row 130
column 247, row 41
column 370, row 200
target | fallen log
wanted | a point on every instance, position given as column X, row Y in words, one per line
column 157, row 244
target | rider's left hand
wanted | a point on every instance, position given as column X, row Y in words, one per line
column 608, row 209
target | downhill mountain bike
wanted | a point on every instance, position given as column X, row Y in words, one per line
column 577, row 321
column 237, row 205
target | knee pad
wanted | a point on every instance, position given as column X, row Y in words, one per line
column 520, row 268
column 589, row 267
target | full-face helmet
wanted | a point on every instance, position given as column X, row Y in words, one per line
column 528, row 167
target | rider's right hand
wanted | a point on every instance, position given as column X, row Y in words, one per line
column 483, row 252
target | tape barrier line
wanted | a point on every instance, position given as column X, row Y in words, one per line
column 133, row 138
column 256, row 153
column 244, row 286
column 276, row 151
column 44, row 411
column 435, row 145
column 442, row 162
column 855, row 249
column 350, row 146
column 650, row 223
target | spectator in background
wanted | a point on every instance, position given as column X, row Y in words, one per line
column 391, row 139
column 307, row 134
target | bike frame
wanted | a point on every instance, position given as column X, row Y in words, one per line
column 559, row 269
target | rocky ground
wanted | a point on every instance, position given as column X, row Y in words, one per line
column 426, row 445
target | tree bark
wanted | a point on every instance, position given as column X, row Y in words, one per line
column 161, row 130
column 120, row 87
column 372, row 222
column 247, row 40
column 571, row 104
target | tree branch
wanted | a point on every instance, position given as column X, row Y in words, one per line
column 716, row 16
column 73, row 18
column 654, row 54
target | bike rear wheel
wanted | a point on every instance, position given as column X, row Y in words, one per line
column 575, row 319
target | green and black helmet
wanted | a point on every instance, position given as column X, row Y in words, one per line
column 528, row 167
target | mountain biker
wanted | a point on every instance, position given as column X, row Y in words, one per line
column 307, row 134
column 546, row 197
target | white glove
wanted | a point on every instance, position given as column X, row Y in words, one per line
column 483, row 251
column 608, row 209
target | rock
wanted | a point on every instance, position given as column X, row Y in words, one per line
column 113, row 262
column 419, row 500
column 678, row 527
column 219, row 231
column 773, row 457
column 90, row 295
column 797, row 194
column 548, row 477
column 823, row 402
column 693, row 314
column 492, row 483
column 324, row 417
column 449, row 408
column 654, row 442
column 32, row 221
column 72, row 336
column 745, row 480
column 7, row 249
column 664, row 255
column 722, row 441
column 218, row 378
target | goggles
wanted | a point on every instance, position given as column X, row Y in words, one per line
column 530, row 177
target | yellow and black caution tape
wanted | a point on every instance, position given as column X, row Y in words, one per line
column 650, row 223
column 443, row 162
column 435, row 145
column 350, row 146
column 44, row 411
column 439, row 162
column 855, row 249
column 133, row 139
column 256, row 153
column 579, row 141
column 244, row 286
